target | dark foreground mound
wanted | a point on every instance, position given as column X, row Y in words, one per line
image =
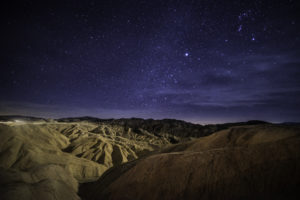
column 247, row 162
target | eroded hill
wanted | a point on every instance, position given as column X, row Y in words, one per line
column 41, row 155
column 250, row 162
column 150, row 159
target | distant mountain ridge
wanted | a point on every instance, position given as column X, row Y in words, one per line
column 171, row 127
column 118, row 120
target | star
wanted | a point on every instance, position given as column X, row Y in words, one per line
column 240, row 28
column 176, row 47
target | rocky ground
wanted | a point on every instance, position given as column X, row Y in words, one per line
column 90, row 158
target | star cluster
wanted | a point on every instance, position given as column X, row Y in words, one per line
column 201, row 61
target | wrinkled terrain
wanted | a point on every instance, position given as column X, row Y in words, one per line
column 43, row 156
column 90, row 158
column 250, row 162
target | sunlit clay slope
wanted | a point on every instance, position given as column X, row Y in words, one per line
column 33, row 165
column 247, row 162
column 42, row 160
column 109, row 145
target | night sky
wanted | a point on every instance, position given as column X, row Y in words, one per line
column 201, row 61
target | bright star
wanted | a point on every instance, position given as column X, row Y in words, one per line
column 186, row 54
column 240, row 28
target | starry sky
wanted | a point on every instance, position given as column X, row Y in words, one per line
column 201, row 61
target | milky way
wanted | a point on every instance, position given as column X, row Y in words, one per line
column 200, row 61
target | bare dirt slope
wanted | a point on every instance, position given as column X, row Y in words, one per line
column 248, row 162
column 33, row 165
column 47, row 160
